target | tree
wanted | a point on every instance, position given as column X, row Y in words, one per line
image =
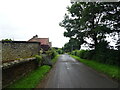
column 112, row 19
column 6, row 39
column 87, row 20
column 72, row 27
column 73, row 44
column 67, row 47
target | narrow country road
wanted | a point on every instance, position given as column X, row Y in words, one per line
column 69, row 73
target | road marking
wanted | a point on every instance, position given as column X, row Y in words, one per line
column 68, row 68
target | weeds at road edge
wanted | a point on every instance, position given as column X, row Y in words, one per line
column 34, row 77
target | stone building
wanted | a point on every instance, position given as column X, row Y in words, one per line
column 45, row 44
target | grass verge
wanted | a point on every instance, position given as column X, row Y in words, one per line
column 32, row 79
column 109, row 70
column 54, row 60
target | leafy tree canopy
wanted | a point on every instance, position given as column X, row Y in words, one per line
column 91, row 20
column 6, row 39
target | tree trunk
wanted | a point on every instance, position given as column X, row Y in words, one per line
column 95, row 34
column 95, row 40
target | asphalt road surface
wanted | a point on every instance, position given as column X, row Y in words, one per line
column 69, row 73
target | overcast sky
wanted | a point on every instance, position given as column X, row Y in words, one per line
column 20, row 20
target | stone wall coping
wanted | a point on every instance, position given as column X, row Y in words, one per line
column 18, row 42
column 16, row 62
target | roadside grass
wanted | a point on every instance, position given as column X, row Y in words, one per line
column 32, row 79
column 54, row 60
column 109, row 70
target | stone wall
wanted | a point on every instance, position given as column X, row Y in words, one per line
column 12, row 71
column 12, row 50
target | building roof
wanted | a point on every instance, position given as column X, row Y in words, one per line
column 43, row 41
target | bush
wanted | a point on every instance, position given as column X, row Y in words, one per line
column 81, row 53
column 112, row 57
column 88, row 54
column 51, row 53
column 59, row 51
column 73, row 52
column 106, row 56
column 39, row 60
